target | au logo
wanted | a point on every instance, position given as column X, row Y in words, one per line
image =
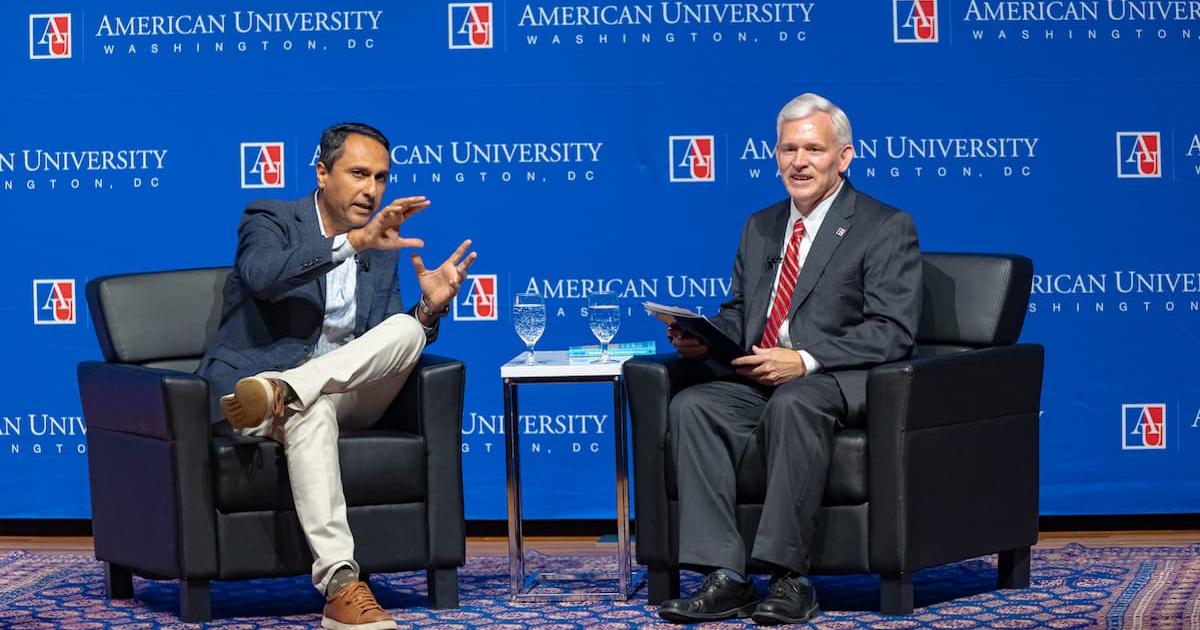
column 470, row 24
column 53, row 302
column 477, row 299
column 1139, row 154
column 1144, row 426
column 914, row 21
column 50, row 36
column 262, row 165
column 691, row 159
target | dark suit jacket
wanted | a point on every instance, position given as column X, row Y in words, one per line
column 858, row 296
column 274, row 301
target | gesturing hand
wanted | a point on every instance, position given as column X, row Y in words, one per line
column 770, row 366
column 383, row 230
column 440, row 284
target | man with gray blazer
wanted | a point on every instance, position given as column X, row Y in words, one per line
column 312, row 338
column 826, row 284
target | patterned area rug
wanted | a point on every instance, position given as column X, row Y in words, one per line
column 1073, row 587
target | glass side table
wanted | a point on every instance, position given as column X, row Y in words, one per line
column 554, row 367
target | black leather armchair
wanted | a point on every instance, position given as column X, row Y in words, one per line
column 940, row 466
column 176, row 497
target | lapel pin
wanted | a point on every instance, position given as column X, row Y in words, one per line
column 841, row 231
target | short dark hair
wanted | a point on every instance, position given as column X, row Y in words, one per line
column 334, row 138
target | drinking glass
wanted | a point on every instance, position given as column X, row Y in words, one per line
column 529, row 318
column 604, row 316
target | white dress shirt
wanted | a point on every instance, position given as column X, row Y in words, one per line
column 812, row 225
column 341, row 284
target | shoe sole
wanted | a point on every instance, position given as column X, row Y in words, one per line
column 331, row 624
column 776, row 619
column 249, row 403
column 739, row 613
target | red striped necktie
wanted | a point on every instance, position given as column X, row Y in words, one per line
column 783, row 292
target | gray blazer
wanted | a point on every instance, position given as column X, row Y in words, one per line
column 274, row 301
column 857, row 300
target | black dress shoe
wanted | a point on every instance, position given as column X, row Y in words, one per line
column 719, row 597
column 790, row 600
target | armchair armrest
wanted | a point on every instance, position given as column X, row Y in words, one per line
column 953, row 455
column 150, row 402
column 650, row 382
column 431, row 401
column 149, row 460
column 431, row 405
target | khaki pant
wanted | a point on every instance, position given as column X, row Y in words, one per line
column 347, row 387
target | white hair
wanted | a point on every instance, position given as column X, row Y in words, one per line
column 805, row 105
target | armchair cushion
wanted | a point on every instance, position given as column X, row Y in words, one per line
column 846, row 483
column 251, row 473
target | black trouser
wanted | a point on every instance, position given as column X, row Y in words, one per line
column 711, row 426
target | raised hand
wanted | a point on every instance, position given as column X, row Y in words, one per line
column 440, row 284
column 383, row 230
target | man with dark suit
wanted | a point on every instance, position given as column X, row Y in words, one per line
column 312, row 338
column 826, row 284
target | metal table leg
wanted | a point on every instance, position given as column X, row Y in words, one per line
column 512, row 458
column 621, row 446
column 522, row 585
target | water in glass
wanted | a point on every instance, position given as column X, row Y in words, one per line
column 604, row 317
column 529, row 319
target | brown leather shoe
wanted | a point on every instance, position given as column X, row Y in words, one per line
column 355, row 608
column 254, row 399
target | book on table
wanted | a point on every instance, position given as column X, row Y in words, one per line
column 720, row 345
column 588, row 353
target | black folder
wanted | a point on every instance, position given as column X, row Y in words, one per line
column 720, row 345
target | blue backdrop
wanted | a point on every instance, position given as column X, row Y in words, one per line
column 557, row 136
